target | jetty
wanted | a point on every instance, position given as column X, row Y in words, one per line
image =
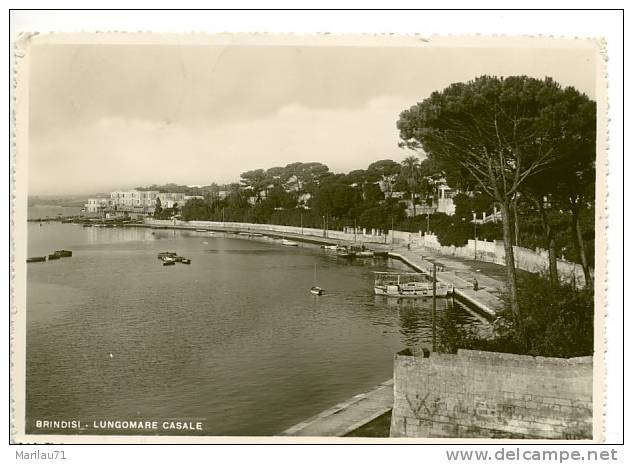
column 486, row 299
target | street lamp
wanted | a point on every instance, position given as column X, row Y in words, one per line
column 475, row 223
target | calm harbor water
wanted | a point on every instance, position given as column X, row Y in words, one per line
column 235, row 339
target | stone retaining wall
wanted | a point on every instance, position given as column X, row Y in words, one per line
column 476, row 394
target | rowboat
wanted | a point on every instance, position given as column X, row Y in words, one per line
column 36, row 259
column 408, row 285
column 167, row 254
column 288, row 242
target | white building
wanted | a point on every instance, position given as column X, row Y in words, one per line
column 445, row 196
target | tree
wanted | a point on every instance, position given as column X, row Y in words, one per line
column 411, row 171
column 386, row 172
column 158, row 209
column 501, row 131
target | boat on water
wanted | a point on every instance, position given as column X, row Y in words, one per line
column 409, row 285
column 202, row 230
column 361, row 251
column 169, row 261
column 316, row 291
column 53, row 256
column 344, row 252
column 167, row 254
column 63, row 253
column 36, row 259
column 329, row 247
column 185, row 261
column 287, row 242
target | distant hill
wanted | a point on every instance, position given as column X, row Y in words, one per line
column 58, row 200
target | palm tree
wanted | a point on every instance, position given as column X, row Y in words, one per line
column 411, row 171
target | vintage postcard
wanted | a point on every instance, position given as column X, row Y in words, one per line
column 267, row 238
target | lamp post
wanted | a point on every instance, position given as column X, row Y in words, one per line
column 428, row 229
column 475, row 224
column 301, row 216
column 391, row 230
column 354, row 229
column 324, row 226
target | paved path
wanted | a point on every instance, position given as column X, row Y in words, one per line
column 347, row 416
column 459, row 273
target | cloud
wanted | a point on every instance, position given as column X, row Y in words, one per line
column 117, row 152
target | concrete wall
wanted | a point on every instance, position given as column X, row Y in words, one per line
column 524, row 258
column 475, row 394
column 535, row 261
column 370, row 236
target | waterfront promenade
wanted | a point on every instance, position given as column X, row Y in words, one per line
column 459, row 272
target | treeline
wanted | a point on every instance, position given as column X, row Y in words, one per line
column 527, row 144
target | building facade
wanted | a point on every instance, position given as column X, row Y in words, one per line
column 136, row 202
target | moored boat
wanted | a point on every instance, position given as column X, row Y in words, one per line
column 169, row 262
column 53, row 256
column 63, row 253
column 36, row 259
column 165, row 254
column 287, row 242
column 185, row 261
column 408, row 285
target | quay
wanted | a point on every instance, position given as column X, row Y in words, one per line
column 347, row 416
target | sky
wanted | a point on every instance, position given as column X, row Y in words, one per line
column 106, row 117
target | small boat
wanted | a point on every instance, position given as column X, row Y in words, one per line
column 344, row 252
column 166, row 254
column 64, row 253
column 243, row 233
column 361, row 251
column 287, row 242
column 168, row 262
column 36, row 259
column 201, row 230
column 52, row 257
column 185, row 261
column 408, row 285
column 316, row 291
column 253, row 234
column 329, row 247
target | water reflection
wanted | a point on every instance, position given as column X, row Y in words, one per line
column 235, row 337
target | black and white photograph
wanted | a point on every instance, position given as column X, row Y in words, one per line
column 346, row 237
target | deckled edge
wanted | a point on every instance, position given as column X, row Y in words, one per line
column 24, row 40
